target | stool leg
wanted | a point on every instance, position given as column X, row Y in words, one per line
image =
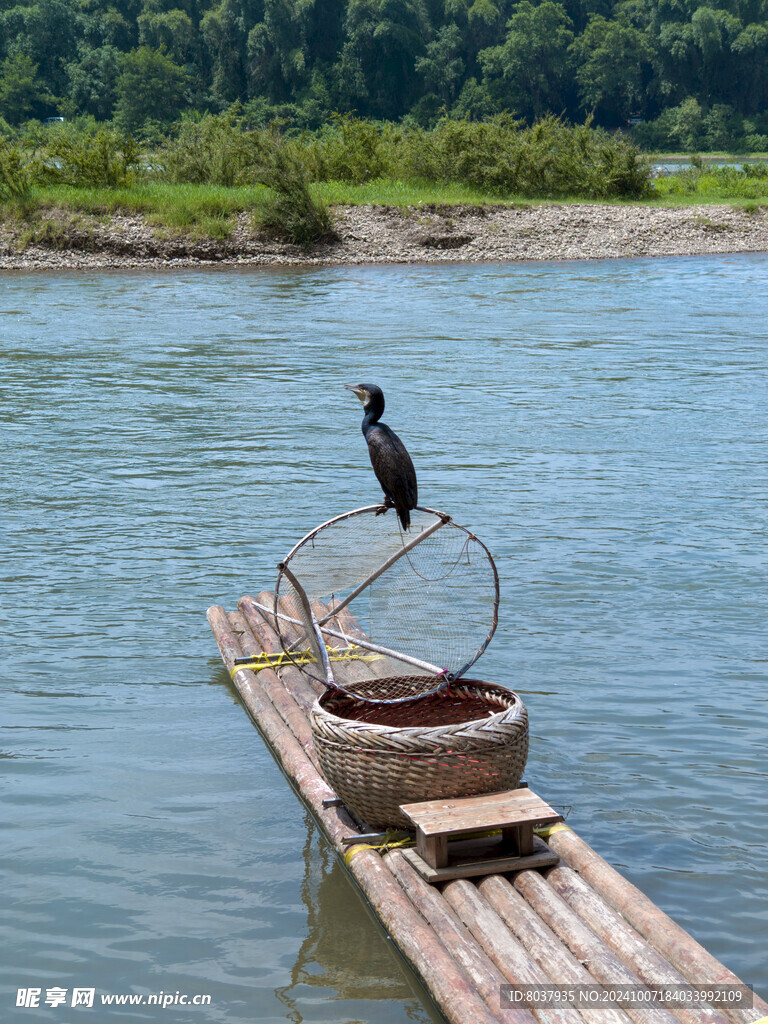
column 525, row 840
column 432, row 849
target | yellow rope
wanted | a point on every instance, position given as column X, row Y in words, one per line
column 302, row 658
column 387, row 844
column 383, row 847
column 356, row 849
column 761, row 1020
column 548, row 830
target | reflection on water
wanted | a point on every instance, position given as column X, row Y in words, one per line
column 337, row 959
column 167, row 438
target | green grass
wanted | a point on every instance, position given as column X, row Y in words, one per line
column 198, row 210
column 667, row 191
column 201, row 210
column 710, row 199
column 717, row 185
column 186, row 207
column 737, row 158
column 208, row 209
column 388, row 192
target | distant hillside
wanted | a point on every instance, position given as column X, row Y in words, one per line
column 688, row 76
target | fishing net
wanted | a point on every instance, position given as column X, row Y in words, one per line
column 386, row 615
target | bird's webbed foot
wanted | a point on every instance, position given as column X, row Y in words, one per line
column 385, row 505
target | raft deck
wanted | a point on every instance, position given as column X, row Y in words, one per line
column 470, row 939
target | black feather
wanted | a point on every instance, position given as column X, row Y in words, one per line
column 389, row 457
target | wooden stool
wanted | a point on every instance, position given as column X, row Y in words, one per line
column 515, row 812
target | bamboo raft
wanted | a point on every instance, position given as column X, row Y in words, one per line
column 579, row 923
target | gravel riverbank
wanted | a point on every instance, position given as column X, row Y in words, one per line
column 377, row 234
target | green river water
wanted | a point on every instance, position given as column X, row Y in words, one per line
column 165, row 438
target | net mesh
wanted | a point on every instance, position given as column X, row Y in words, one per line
column 426, row 600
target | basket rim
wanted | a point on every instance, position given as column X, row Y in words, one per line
column 516, row 709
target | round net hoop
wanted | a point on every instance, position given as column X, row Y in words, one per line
column 382, row 614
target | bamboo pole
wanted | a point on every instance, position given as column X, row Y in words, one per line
column 413, row 937
column 303, row 690
column 313, row 634
column 284, row 629
column 345, row 672
column 694, row 962
column 291, row 615
column 448, row 984
column 266, row 602
column 385, row 565
column 348, row 625
column 467, row 951
column 604, row 965
column 509, row 955
column 255, row 694
column 348, row 671
column 345, row 622
column 543, row 945
column 291, row 713
column 647, row 963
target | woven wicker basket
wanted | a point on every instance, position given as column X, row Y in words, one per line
column 471, row 738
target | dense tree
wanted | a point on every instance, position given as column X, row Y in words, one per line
column 149, row 87
column 694, row 71
column 225, row 30
column 22, row 94
column 46, row 32
column 172, row 31
column 93, row 82
column 533, row 61
column 750, row 48
column 278, row 50
column 610, row 56
column 384, row 39
column 442, row 66
column 110, row 24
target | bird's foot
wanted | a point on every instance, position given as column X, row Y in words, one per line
column 385, row 505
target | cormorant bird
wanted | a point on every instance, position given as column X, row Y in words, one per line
column 389, row 458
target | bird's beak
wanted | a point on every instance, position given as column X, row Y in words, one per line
column 360, row 392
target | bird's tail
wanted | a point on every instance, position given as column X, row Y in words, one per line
column 404, row 515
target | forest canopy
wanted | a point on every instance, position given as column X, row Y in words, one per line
column 685, row 75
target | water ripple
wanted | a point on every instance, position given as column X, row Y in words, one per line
column 165, row 439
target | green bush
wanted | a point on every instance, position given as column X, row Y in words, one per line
column 551, row 159
column 498, row 156
column 16, row 174
column 72, row 156
column 757, row 170
column 747, row 182
column 214, row 150
column 352, row 150
column 290, row 211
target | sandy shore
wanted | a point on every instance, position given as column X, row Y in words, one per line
column 374, row 234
